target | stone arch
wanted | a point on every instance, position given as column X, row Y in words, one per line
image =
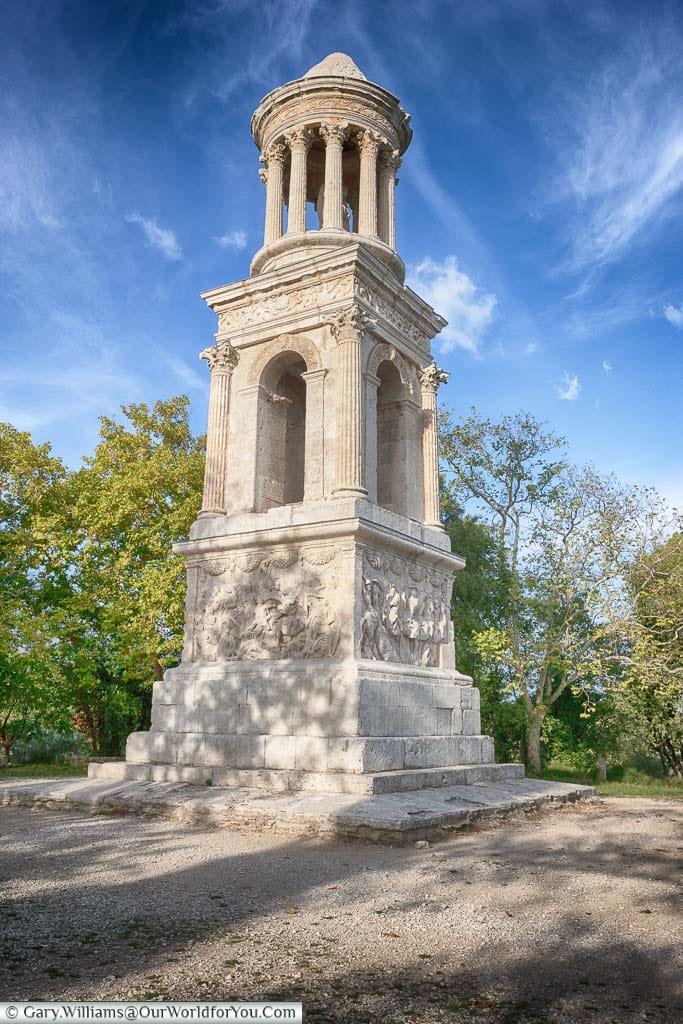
column 383, row 352
column 393, row 440
column 297, row 344
column 281, row 433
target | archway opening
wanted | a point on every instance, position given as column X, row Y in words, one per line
column 282, row 443
column 391, row 437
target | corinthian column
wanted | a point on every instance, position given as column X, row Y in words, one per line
column 222, row 359
column 389, row 163
column 430, row 379
column 274, row 160
column 368, row 143
column 333, row 136
column 299, row 141
column 348, row 327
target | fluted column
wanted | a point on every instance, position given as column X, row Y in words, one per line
column 333, row 136
column 222, row 359
column 348, row 327
column 274, row 160
column 299, row 141
column 430, row 379
column 389, row 162
column 368, row 143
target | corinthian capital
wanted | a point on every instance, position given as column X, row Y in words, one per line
column 334, row 131
column 390, row 158
column 221, row 357
column 369, row 141
column 349, row 324
column 300, row 138
column 275, row 154
column 431, row 377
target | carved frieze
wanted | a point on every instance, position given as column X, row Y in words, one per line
column 388, row 311
column 406, row 610
column 263, row 308
column 267, row 605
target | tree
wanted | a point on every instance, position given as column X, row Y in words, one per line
column 566, row 539
column 479, row 602
column 31, row 582
column 122, row 621
column 650, row 693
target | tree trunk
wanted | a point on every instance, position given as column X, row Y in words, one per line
column 6, row 748
column 534, row 724
column 601, row 770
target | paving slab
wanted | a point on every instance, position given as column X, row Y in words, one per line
column 390, row 817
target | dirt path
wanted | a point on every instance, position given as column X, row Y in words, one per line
column 568, row 917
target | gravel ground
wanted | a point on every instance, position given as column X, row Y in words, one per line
column 563, row 917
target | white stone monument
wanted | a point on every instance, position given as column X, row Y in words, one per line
column 318, row 641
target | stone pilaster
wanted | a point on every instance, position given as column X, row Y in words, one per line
column 368, row 144
column 430, row 379
column 274, row 160
column 222, row 359
column 389, row 163
column 348, row 327
column 333, row 136
column 299, row 141
column 314, row 465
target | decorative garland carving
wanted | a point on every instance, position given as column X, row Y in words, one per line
column 389, row 313
column 272, row 306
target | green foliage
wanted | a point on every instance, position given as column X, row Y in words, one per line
column 47, row 746
column 31, row 696
column 92, row 594
column 650, row 692
column 480, row 594
column 566, row 541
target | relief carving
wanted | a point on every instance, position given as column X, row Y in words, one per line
column 406, row 610
column 262, row 308
column 389, row 313
column 267, row 606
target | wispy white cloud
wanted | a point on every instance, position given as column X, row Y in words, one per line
column 232, row 240
column 186, row 374
column 531, row 348
column 622, row 147
column 241, row 44
column 162, row 239
column 674, row 315
column 606, row 366
column 569, row 388
column 454, row 295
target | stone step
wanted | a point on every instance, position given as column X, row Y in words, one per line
column 316, row 782
column 391, row 817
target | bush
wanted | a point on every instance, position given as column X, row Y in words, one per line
column 616, row 773
column 48, row 747
column 648, row 764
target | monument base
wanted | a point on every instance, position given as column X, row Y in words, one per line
column 273, row 781
column 314, row 725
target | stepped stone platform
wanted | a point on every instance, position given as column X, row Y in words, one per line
column 390, row 817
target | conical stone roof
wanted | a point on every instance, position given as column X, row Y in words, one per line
column 338, row 65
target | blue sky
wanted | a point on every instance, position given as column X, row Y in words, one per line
column 540, row 205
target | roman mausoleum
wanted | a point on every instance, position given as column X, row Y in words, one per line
column 318, row 650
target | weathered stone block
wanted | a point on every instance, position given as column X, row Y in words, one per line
column 139, row 747
column 471, row 723
column 280, row 752
column 250, row 752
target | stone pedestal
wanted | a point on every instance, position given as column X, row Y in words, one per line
column 318, row 648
